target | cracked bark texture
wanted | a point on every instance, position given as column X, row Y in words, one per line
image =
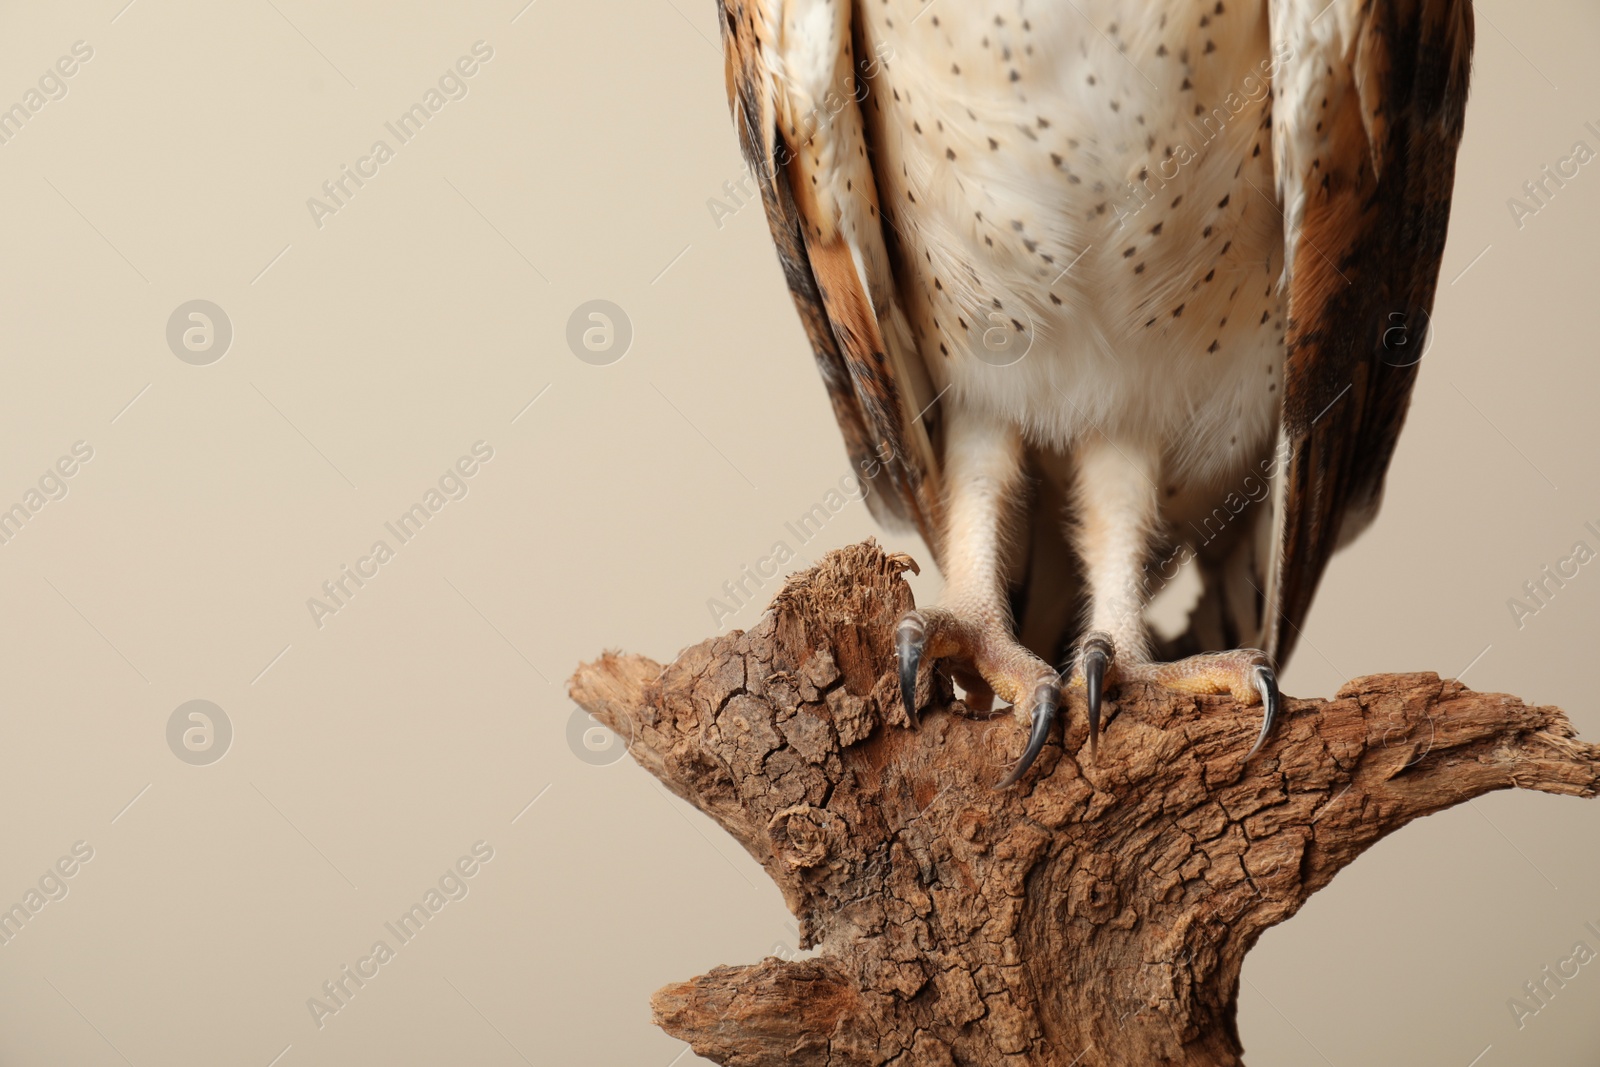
column 1099, row 912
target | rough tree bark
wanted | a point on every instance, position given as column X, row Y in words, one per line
column 1099, row 912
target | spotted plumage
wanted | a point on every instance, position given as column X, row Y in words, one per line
column 1098, row 285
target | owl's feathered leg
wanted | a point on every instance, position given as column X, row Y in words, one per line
column 972, row 625
column 1116, row 519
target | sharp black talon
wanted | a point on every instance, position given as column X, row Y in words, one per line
column 1096, row 658
column 1045, row 700
column 1267, row 686
column 908, row 640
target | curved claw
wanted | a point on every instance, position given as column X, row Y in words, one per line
column 1096, row 658
column 1267, row 685
column 1046, row 698
column 908, row 643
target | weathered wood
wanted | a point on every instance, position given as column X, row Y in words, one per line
column 1097, row 914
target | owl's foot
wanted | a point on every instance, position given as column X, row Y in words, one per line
column 988, row 661
column 1244, row 674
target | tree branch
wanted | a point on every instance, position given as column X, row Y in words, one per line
column 1098, row 913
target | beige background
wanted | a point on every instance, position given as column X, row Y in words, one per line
column 426, row 715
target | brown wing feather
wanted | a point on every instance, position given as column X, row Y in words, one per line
column 889, row 449
column 1363, row 278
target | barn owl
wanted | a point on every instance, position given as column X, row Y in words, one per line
column 1101, row 288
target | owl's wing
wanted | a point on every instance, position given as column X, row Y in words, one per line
column 1367, row 115
column 793, row 78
